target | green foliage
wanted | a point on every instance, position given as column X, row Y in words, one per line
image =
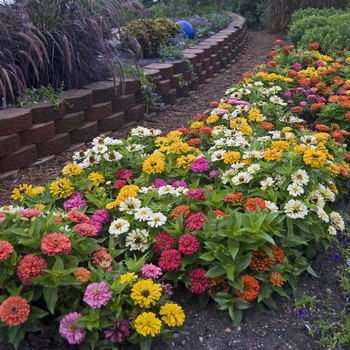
column 330, row 28
column 150, row 34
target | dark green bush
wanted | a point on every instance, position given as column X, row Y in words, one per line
column 50, row 42
column 150, row 34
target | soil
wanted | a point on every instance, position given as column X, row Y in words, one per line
column 208, row 328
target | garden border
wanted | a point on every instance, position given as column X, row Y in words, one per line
column 30, row 136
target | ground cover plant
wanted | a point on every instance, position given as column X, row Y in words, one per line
column 224, row 207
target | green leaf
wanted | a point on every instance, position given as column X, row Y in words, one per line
column 215, row 271
column 16, row 335
column 311, row 271
column 51, row 297
column 36, row 314
column 208, row 256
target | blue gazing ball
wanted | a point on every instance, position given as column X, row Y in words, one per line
column 187, row 28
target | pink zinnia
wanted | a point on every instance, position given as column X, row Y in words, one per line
column 6, row 249
column 69, row 331
column 214, row 174
column 159, row 183
column 195, row 221
column 169, row 260
column 86, row 229
column 151, row 270
column 30, row 266
column 200, row 165
column 97, row 294
column 199, row 283
column 124, row 174
column 2, row 218
column 188, row 244
column 77, row 216
column 120, row 184
column 163, row 242
column 179, row 183
column 55, row 243
column 29, row 213
column 195, row 193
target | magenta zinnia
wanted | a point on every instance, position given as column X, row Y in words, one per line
column 195, row 221
column 69, row 331
column 200, row 165
column 97, row 294
column 169, row 260
column 188, row 244
column 199, row 283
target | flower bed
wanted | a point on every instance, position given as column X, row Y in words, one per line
column 35, row 134
column 233, row 207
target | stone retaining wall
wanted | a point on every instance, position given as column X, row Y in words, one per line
column 33, row 135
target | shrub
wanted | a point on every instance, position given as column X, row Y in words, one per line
column 43, row 42
column 150, row 34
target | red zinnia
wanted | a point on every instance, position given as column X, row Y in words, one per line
column 199, row 117
column 169, row 260
column 120, row 184
column 14, row 310
column 296, row 109
column 195, row 221
column 199, row 283
column 195, row 142
column 251, row 204
column 314, row 46
column 234, row 197
column 30, row 266
column 55, row 243
column 195, row 193
column 124, row 174
column 250, row 290
column 164, row 241
column 188, row 244
column 77, row 216
column 278, row 42
column 184, row 209
column 6, row 250
column 214, row 104
column 86, row 229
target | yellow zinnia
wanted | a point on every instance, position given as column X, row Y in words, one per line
column 154, row 164
column 127, row 277
column 146, row 293
column 19, row 192
column 185, row 161
column 174, row 135
column 61, row 188
column 148, row 324
column 196, row 125
column 280, row 145
column 173, row 315
column 315, row 158
column 179, row 147
column 231, row 157
column 334, row 170
column 96, row 178
column 125, row 192
column 72, row 169
column 212, row 119
column 272, row 154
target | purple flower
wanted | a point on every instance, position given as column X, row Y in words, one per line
column 319, row 64
column 100, row 215
column 151, row 271
column 97, row 224
column 97, row 294
column 303, row 103
column 69, row 331
column 336, row 257
column 287, row 94
column 167, row 290
column 200, row 165
column 159, row 183
column 214, row 174
column 297, row 66
column 290, row 102
column 341, row 92
column 179, row 183
column 302, row 313
column 75, row 201
column 119, row 332
column 312, row 97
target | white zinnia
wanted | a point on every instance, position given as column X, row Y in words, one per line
column 295, row 209
column 118, row 227
column 130, row 204
column 300, row 177
column 271, row 206
column 241, row 178
column 295, row 190
column 332, row 230
column 337, row 221
column 269, row 181
column 137, row 240
column 156, row 220
column 143, row 214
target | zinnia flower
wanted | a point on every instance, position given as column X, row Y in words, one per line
column 163, row 241
column 218, row 284
column 234, row 197
column 30, row 266
column 315, row 158
column 97, row 294
column 188, row 244
column 29, row 213
column 86, row 229
column 151, row 270
column 169, row 260
column 173, row 314
column 61, row 188
column 82, row 274
column 14, row 310
column 276, row 279
column 148, row 324
column 199, row 283
column 77, row 216
column 146, row 293
column 6, row 250
column 295, row 209
column 124, row 174
column 102, row 258
column 119, row 332
column 200, row 165
column 55, row 243
column 2, row 218
column 250, row 290
column 69, row 331
column 195, row 193
column 253, row 203
column 195, row 221
column 260, row 261
column 183, row 209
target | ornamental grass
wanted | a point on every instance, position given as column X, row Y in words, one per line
column 234, row 207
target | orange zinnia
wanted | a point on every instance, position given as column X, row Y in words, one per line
column 184, row 209
column 252, row 204
column 30, row 266
column 14, row 310
column 234, row 197
column 260, row 261
column 195, row 142
column 55, row 243
column 102, row 258
column 278, row 254
column 250, row 290
column 82, row 274
column 213, row 104
column 276, row 279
